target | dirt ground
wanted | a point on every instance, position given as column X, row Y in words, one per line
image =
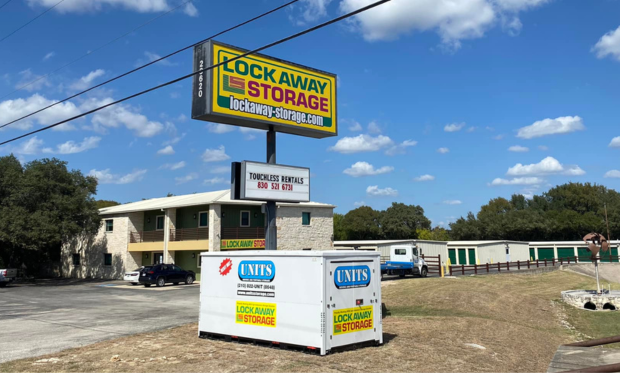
column 501, row 323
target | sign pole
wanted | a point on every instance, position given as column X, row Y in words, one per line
column 271, row 234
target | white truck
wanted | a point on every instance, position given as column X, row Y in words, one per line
column 7, row 276
column 404, row 260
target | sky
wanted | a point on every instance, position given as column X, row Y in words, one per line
column 441, row 103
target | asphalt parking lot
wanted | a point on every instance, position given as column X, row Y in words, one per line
column 46, row 318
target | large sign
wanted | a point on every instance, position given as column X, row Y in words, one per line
column 259, row 91
column 273, row 182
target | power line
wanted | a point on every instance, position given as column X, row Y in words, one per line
column 309, row 30
column 3, row 5
column 96, row 49
column 152, row 62
column 29, row 22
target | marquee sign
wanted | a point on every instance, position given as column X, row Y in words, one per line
column 259, row 91
column 274, row 182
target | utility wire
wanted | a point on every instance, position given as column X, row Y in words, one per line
column 96, row 49
column 3, row 5
column 29, row 22
column 243, row 55
column 152, row 62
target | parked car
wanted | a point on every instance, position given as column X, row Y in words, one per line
column 165, row 273
column 7, row 276
column 133, row 277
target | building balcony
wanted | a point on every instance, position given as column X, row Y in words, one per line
column 180, row 240
column 243, row 233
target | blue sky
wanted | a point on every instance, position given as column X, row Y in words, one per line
column 445, row 104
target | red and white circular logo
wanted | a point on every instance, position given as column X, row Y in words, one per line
column 225, row 267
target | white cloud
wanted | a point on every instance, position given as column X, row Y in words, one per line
column 615, row 142
column 106, row 177
column 355, row 127
column 174, row 140
column 612, row 174
column 119, row 114
column 452, row 202
column 220, row 128
column 150, row 56
column 71, row 147
column 543, row 147
column 608, row 45
column 220, row 170
column 13, row 109
column 360, row 169
column 190, row 10
column 173, row 166
column 454, row 127
column 374, row 191
column 547, row 166
column 453, row 20
column 426, row 177
column 518, row 149
column 168, row 150
column 443, row 150
column 471, row 129
column 312, row 10
column 49, row 55
column 187, row 178
column 215, row 155
column 140, row 6
column 30, row 146
column 373, row 128
column 517, row 181
column 361, row 143
column 29, row 81
column 498, row 137
column 400, row 148
column 215, row 180
column 359, row 203
column 85, row 81
column 549, row 126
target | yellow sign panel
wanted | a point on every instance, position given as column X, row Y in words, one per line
column 259, row 91
column 255, row 313
column 242, row 244
column 352, row 320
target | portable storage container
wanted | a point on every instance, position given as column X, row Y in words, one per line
column 313, row 299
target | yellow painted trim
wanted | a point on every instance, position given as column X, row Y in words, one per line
column 194, row 245
column 146, row 246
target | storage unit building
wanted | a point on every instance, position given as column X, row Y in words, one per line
column 482, row 252
column 566, row 249
column 428, row 248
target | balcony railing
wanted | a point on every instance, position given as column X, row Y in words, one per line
column 242, row 233
column 146, row 236
column 189, row 234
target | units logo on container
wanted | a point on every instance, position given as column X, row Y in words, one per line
column 257, row 270
column 255, row 313
column 352, row 320
column 346, row 277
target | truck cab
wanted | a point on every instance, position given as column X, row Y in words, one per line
column 405, row 260
column 7, row 276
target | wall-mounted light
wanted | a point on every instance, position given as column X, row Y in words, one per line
column 146, row 256
column 193, row 255
column 256, row 214
column 223, row 214
column 194, row 216
column 148, row 220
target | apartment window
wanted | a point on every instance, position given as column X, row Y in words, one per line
column 159, row 223
column 203, row 219
column 245, row 219
column 109, row 225
column 107, row 259
column 305, row 218
column 76, row 259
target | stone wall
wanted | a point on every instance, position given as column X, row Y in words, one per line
column 292, row 235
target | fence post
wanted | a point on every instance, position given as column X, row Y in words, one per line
column 462, row 269
column 518, row 265
column 475, row 269
column 487, row 267
column 450, row 267
column 537, row 264
column 499, row 267
column 528, row 264
column 508, row 266
column 545, row 262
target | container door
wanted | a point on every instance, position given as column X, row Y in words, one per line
column 462, row 257
column 452, row 256
column 353, row 301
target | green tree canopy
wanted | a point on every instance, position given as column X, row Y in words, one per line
column 42, row 205
column 401, row 221
column 102, row 203
column 362, row 224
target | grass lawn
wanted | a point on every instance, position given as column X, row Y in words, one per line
column 518, row 319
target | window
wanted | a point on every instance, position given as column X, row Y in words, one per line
column 245, row 219
column 176, row 269
column 203, row 219
column 400, row 251
column 198, row 259
column 76, row 259
column 107, row 259
column 159, row 223
column 305, row 218
column 109, row 225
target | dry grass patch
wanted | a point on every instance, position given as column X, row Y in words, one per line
column 517, row 319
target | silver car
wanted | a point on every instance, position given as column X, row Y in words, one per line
column 133, row 277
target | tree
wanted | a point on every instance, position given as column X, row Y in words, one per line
column 401, row 221
column 42, row 205
column 103, row 203
column 362, row 224
column 339, row 232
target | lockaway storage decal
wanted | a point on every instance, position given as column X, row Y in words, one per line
column 353, row 320
column 255, row 313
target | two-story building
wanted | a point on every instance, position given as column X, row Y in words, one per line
column 176, row 229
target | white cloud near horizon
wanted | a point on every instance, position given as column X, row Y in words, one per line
column 612, row 174
column 375, row 191
column 517, row 181
column 422, row 178
column 547, row 166
column 215, row 155
column 360, row 169
column 452, row 202
column 86, row 81
column 172, row 166
column 615, row 142
column 168, row 150
column 518, row 149
column 400, row 148
column 92, row 6
column 186, row 179
column 71, row 147
column 454, row 127
column 106, row 177
column 443, row 150
column 546, row 127
column 215, row 180
column 608, row 45
column 361, row 143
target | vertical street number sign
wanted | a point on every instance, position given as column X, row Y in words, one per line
column 258, row 91
column 271, row 182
